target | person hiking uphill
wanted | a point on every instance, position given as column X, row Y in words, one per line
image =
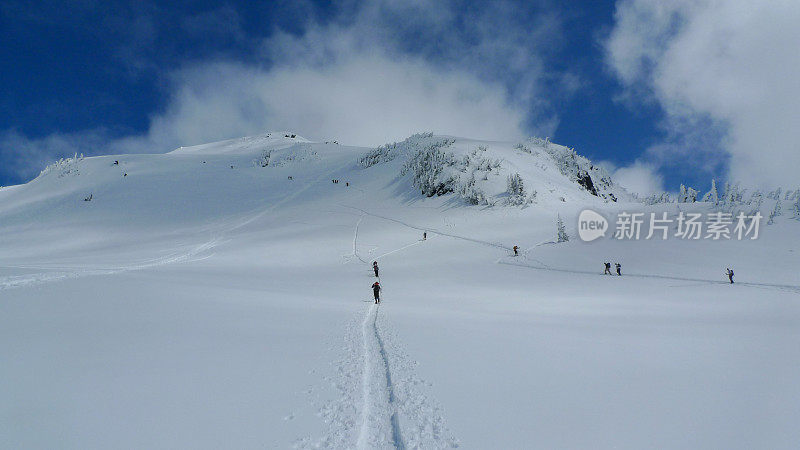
column 608, row 269
column 375, row 267
column 516, row 250
column 729, row 272
column 376, row 291
column 619, row 269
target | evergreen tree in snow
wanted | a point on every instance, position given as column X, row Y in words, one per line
column 687, row 195
column 756, row 200
column 516, row 190
column 796, row 208
column 776, row 211
column 562, row 230
column 712, row 196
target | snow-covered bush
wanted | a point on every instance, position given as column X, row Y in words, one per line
column 474, row 160
column 593, row 179
column 263, row 160
column 472, row 194
column 655, row 199
column 382, row 154
column 539, row 142
column 516, row 190
column 64, row 166
column 427, row 167
column 298, row 152
column 522, row 147
column 281, row 157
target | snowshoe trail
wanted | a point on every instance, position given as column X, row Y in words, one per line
column 380, row 423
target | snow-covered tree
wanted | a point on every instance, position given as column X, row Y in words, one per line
column 515, row 189
column 796, row 208
column 471, row 193
column 712, row 195
column 427, row 167
column 562, row 230
column 775, row 195
column 687, row 195
column 776, row 211
column 755, row 203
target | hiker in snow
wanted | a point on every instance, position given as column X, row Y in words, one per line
column 608, row 269
column 376, row 290
column 516, row 250
column 729, row 272
column 619, row 269
column 375, row 267
column 424, row 235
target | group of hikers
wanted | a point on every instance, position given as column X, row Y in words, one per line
column 618, row 266
column 376, row 286
column 608, row 269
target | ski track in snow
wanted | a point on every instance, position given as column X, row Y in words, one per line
column 378, row 387
column 380, row 424
column 543, row 266
column 193, row 254
column 432, row 230
column 781, row 287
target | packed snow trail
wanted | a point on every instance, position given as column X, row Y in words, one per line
column 380, row 424
column 378, row 385
column 432, row 230
column 543, row 266
column 783, row 287
column 195, row 253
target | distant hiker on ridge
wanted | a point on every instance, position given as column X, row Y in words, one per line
column 375, row 267
column 516, row 250
column 729, row 272
column 608, row 269
column 619, row 269
column 424, row 235
column 376, row 291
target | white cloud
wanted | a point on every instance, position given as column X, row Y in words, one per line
column 25, row 158
column 732, row 62
column 357, row 100
column 640, row 178
column 380, row 72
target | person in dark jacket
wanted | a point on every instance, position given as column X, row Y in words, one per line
column 619, row 268
column 376, row 291
column 375, row 267
column 729, row 272
column 608, row 269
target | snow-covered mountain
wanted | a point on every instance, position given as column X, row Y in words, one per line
column 219, row 296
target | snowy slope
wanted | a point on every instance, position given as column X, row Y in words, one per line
column 207, row 300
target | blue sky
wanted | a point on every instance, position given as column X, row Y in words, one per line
column 111, row 77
